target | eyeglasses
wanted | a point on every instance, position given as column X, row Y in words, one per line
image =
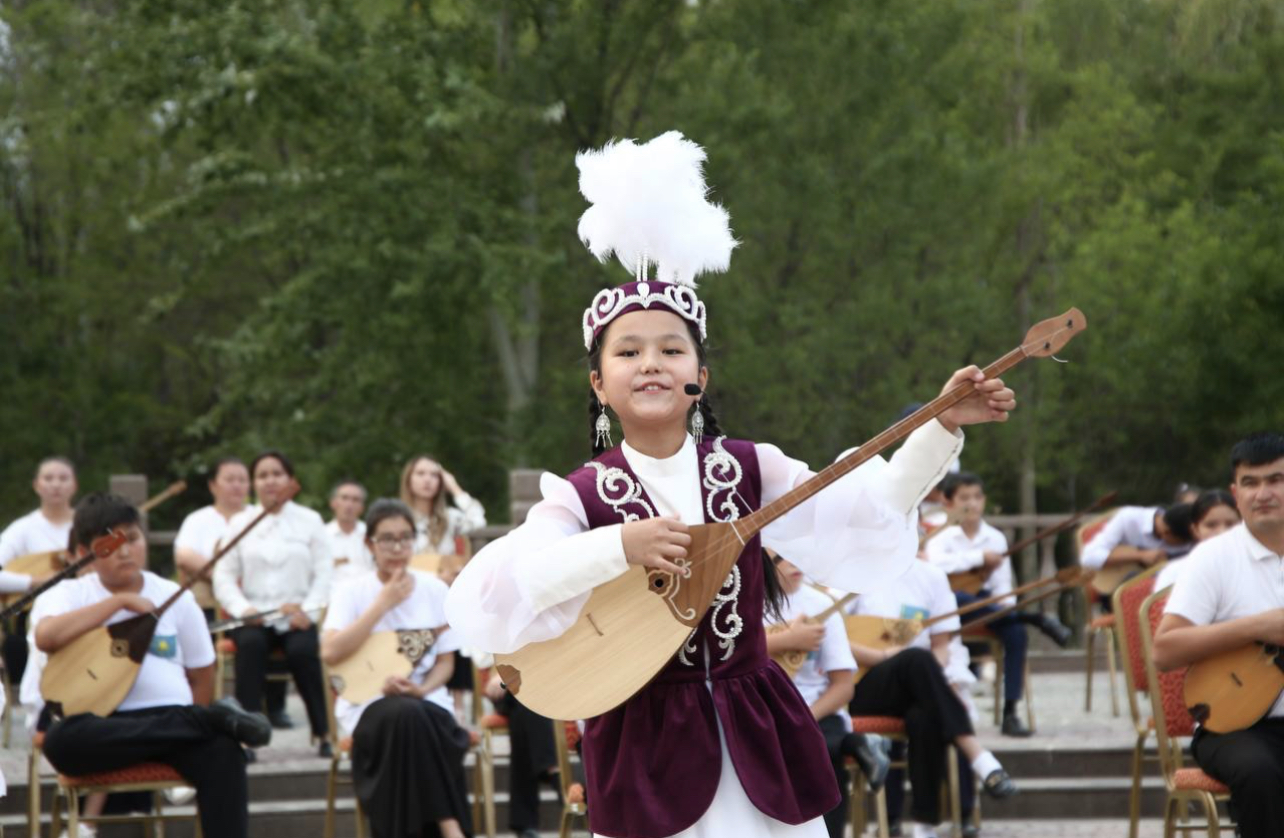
column 398, row 542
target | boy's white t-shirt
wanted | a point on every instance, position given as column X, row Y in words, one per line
column 425, row 608
column 812, row 678
column 181, row 642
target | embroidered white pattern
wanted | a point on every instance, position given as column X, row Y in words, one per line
column 722, row 473
column 617, row 490
column 610, row 303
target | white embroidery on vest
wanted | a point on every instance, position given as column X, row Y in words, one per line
column 617, row 490
column 722, row 474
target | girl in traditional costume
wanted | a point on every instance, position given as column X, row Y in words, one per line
column 720, row 742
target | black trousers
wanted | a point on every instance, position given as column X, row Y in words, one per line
column 896, row 785
column 835, row 732
column 1251, row 762
column 912, row 686
column 14, row 649
column 182, row 737
column 302, row 657
column 1011, row 633
column 533, row 759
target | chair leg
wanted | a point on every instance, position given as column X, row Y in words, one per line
column 856, row 802
column 1028, row 691
column 331, row 790
column 1170, row 825
column 880, row 807
column 952, row 773
column 1089, row 648
column 997, row 653
column 1134, row 795
column 73, row 816
column 488, row 798
column 361, row 816
column 1214, row 821
column 155, row 826
column 33, row 795
column 1110, row 664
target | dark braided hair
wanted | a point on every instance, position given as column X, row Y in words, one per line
column 774, row 595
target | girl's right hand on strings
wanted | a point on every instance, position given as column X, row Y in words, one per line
column 655, row 542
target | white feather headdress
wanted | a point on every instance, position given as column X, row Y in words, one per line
column 650, row 206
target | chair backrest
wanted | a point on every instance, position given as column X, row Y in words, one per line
column 1167, row 703
column 1087, row 531
column 1128, row 599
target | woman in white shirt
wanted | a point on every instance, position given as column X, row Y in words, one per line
column 283, row 565
column 408, row 751
column 424, row 487
column 205, row 529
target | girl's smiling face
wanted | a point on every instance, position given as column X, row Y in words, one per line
column 647, row 358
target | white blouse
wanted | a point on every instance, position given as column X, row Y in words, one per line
column 286, row 558
column 856, row 535
column 467, row 515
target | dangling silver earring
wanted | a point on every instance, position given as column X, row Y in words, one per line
column 602, row 427
column 697, row 424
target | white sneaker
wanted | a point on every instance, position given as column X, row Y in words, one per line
column 86, row 831
column 179, row 795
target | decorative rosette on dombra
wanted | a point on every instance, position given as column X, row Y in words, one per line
column 650, row 206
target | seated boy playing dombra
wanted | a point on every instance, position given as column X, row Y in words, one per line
column 164, row 718
column 974, row 545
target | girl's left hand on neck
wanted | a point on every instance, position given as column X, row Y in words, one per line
column 991, row 400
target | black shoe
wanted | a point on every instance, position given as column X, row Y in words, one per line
column 871, row 754
column 250, row 756
column 324, row 749
column 1056, row 630
column 528, row 833
column 229, row 716
column 999, row 785
column 970, row 830
column 280, row 720
column 1013, row 726
column 894, row 830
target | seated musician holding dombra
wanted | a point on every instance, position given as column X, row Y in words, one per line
column 1140, row 534
column 825, row 682
column 40, row 531
column 167, row 716
column 974, row 545
column 282, row 566
column 1231, row 595
column 407, row 750
column 910, row 682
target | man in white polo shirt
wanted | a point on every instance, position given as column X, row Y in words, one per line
column 1232, row 595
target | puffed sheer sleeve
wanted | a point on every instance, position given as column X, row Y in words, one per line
column 862, row 531
column 531, row 584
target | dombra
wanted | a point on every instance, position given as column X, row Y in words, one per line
column 792, row 660
column 384, row 654
column 875, row 632
column 972, row 581
column 1234, row 690
column 631, row 626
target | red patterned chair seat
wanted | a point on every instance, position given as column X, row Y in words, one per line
column 146, row 772
column 1194, row 779
column 494, row 721
column 878, row 724
column 1105, row 621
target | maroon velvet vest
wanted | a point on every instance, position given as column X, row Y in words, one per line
column 653, row 763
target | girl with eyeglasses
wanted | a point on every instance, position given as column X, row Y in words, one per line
column 408, row 750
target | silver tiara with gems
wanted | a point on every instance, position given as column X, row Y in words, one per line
column 650, row 206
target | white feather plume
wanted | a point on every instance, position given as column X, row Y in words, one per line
column 650, row 203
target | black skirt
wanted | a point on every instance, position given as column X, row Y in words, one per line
column 408, row 768
column 462, row 677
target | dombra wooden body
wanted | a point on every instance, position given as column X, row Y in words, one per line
column 625, row 634
column 34, row 564
column 1110, row 577
column 384, row 654
column 427, row 562
column 791, row 660
column 1234, row 690
column 631, row 626
column 968, row 581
